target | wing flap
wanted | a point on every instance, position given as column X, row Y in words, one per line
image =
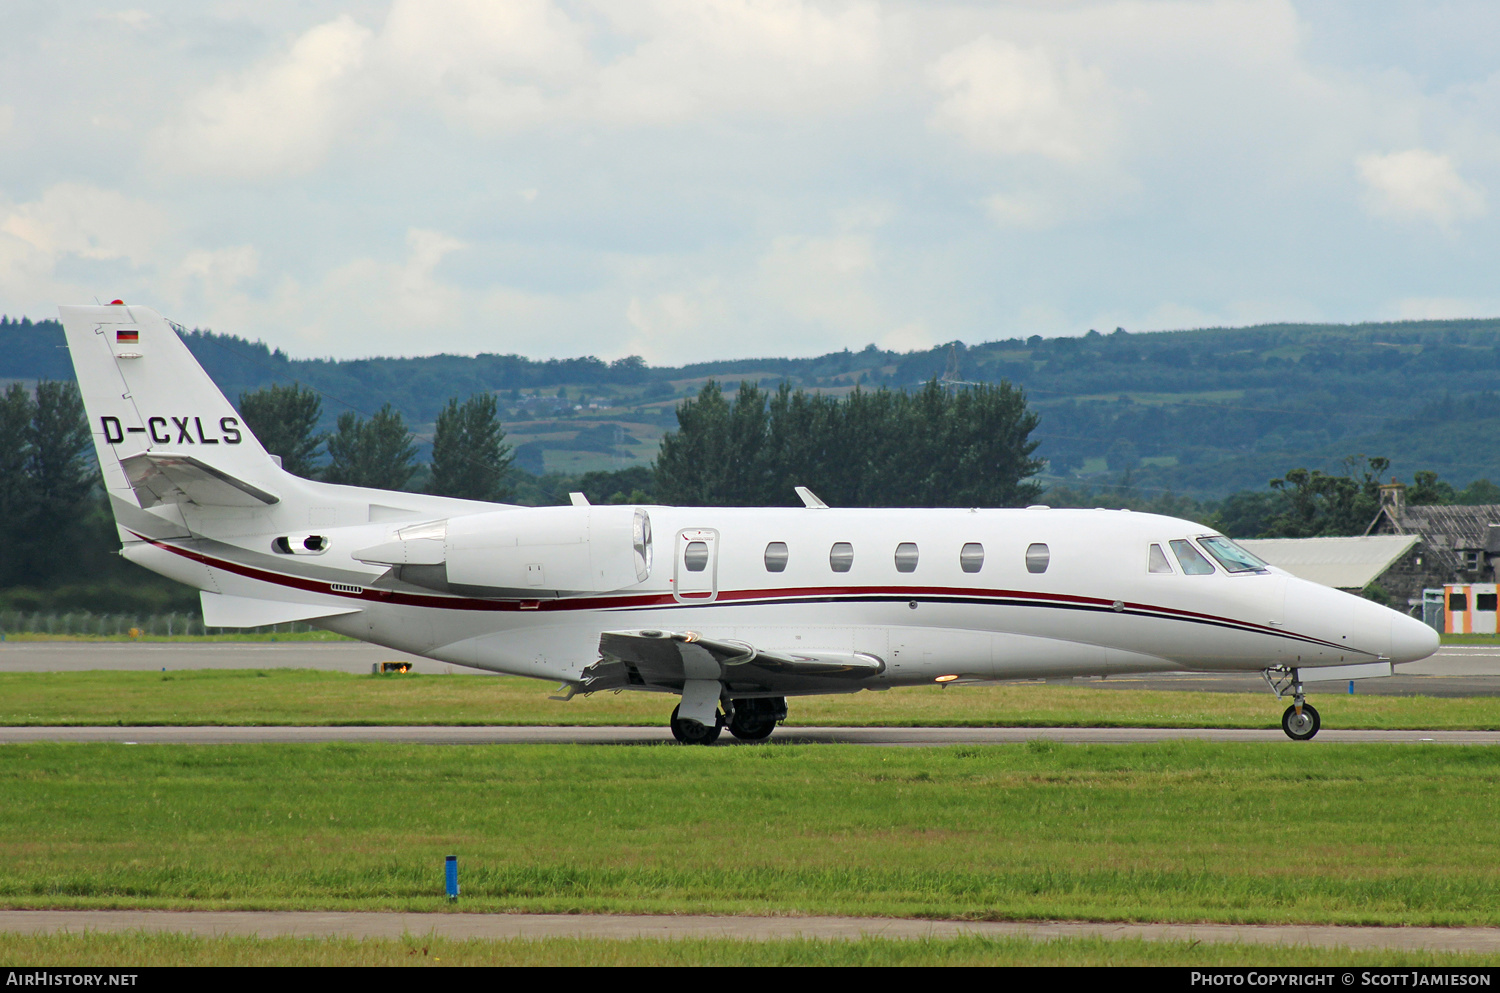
column 669, row 658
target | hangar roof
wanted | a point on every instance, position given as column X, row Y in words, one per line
column 1345, row 563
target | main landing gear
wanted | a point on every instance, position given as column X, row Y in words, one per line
column 1300, row 721
column 748, row 720
column 693, row 733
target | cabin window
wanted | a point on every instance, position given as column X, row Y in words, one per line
column 971, row 557
column 1458, row 602
column 695, row 556
column 1484, row 601
column 1231, row 556
column 1037, row 557
column 1192, row 561
column 776, row 556
column 1159, row 563
column 906, row 557
column 841, row 557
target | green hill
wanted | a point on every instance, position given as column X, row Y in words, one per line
column 1202, row 412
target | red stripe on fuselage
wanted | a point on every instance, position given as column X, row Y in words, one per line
column 738, row 597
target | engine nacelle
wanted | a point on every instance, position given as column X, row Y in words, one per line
column 529, row 553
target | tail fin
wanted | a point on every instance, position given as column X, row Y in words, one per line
column 162, row 430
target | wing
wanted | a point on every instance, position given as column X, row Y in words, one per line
column 667, row 659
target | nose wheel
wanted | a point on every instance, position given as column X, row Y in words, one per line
column 1301, row 720
column 1300, row 727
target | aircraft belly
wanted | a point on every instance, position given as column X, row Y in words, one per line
column 174, row 567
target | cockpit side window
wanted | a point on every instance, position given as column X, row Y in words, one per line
column 1158, row 562
column 1231, row 556
column 1192, row 561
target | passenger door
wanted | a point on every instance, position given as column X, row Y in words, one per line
column 695, row 577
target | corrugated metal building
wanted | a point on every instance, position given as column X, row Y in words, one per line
column 1343, row 563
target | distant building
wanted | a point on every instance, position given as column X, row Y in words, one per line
column 1350, row 564
column 1470, row 608
column 1456, row 544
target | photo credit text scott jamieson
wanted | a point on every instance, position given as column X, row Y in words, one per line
column 1337, row 978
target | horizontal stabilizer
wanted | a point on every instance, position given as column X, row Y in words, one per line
column 158, row 477
column 221, row 610
column 668, row 658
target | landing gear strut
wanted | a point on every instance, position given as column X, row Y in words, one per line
column 1301, row 720
column 755, row 719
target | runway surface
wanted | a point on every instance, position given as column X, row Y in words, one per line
column 616, row 927
column 886, row 737
column 1456, row 670
column 330, row 656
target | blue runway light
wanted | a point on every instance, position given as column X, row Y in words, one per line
column 450, row 870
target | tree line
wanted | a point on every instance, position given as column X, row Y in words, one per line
column 935, row 447
column 46, row 476
column 1208, row 412
column 470, row 458
column 881, row 448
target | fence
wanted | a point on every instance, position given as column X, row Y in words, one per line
column 122, row 625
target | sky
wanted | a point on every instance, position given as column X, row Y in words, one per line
column 689, row 180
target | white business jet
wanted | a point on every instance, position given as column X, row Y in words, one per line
column 732, row 609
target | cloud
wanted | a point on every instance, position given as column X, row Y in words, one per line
column 73, row 219
column 1028, row 211
column 213, row 279
column 278, row 118
column 1418, row 185
column 492, row 65
column 699, row 58
column 1442, row 308
column 1009, row 100
column 499, row 68
column 822, row 280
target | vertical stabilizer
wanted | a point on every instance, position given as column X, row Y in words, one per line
column 150, row 405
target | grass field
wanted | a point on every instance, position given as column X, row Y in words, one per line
column 1176, row 831
column 131, row 950
column 303, row 696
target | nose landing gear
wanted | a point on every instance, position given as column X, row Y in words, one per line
column 1301, row 720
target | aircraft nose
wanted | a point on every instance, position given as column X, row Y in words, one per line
column 1412, row 640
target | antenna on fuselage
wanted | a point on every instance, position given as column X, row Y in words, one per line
column 810, row 499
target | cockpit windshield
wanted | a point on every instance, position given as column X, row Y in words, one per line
column 1231, row 556
column 1192, row 561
